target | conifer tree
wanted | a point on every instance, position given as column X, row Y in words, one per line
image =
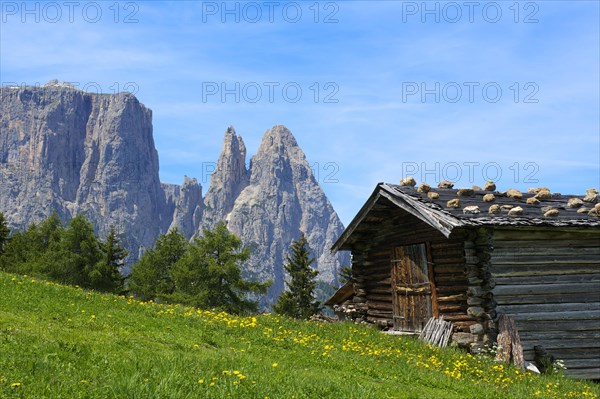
column 345, row 274
column 106, row 275
column 150, row 276
column 209, row 275
column 298, row 301
column 76, row 256
column 4, row 232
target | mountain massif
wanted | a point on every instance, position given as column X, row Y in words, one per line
column 70, row 151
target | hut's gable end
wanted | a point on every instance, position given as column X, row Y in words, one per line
column 549, row 280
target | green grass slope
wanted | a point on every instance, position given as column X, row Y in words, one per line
column 64, row 342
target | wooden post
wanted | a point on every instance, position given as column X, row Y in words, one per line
column 509, row 342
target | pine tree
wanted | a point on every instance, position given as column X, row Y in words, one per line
column 209, row 274
column 37, row 250
column 345, row 274
column 150, row 276
column 73, row 260
column 298, row 300
column 4, row 232
column 50, row 231
column 106, row 275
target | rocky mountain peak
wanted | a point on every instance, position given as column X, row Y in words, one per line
column 233, row 147
column 228, row 180
column 281, row 201
column 277, row 141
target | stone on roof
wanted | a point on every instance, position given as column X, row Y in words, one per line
column 591, row 195
column 574, row 202
column 424, row 188
column 543, row 194
column 516, row 211
column 408, row 181
column 445, row 184
column 513, row 193
column 489, row 186
column 473, row 209
column 465, row 192
column 494, row 209
column 453, row 203
column 489, row 198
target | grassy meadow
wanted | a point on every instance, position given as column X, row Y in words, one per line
column 64, row 342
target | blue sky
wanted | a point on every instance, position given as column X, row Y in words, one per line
column 372, row 90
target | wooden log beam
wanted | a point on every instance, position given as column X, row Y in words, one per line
column 587, row 259
column 558, row 298
column 462, row 297
column 379, row 298
column 380, row 305
column 550, row 279
column 548, row 307
column 561, row 326
column 543, row 289
column 536, row 316
column 540, row 270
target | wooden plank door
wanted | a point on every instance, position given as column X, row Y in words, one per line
column 411, row 288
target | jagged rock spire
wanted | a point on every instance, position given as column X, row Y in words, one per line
column 227, row 181
column 282, row 200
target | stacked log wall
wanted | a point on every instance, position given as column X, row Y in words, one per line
column 372, row 271
column 549, row 280
column 449, row 261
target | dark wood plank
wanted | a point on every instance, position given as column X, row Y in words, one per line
column 548, row 307
column 586, row 315
column 557, row 325
column 540, row 299
column 549, row 279
column 543, row 289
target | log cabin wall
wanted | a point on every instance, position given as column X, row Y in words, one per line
column 549, row 280
column 451, row 260
column 371, row 267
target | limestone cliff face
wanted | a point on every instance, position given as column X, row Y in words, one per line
column 281, row 200
column 75, row 152
column 184, row 203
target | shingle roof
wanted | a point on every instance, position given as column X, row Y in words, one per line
column 450, row 208
column 473, row 209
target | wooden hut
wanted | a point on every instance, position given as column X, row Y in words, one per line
column 470, row 255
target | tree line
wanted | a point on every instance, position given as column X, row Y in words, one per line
column 205, row 272
column 71, row 254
